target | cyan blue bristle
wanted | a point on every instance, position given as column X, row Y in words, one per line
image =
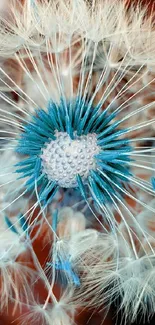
column 30, row 183
column 117, row 181
column 48, row 201
column 69, row 128
column 114, row 144
column 103, row 184
column 23, row 223
column 153, row 182
column 65, row 266
column 43, row 186
column 27, row 161
column 47, row 190
column 39, row 130
column 31, row 135
column 71, row 112
column 81, row 186
column 53, row 117
column 83, row 121
column 112, row 154
column 28, row 174
column 47, row 194
column 104, row 120
column 76, row 113
column 35, row 144
column 111, row 137
column 55, row 220
column 61, row 117
column 10, row 225
column 96, row 193
column 92, row 119
column 110, row 128
column 27, row 151
column 37, row 168
column 45, row 118
column 24, row 170
column 114, row 170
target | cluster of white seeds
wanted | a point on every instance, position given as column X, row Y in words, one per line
column 64, row 158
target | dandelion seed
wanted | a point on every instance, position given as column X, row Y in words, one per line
column 60, row 256
column 65, row 151
column 60, row 312
column 15, row 275
column 134, row 282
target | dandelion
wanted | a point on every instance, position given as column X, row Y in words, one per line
column 77, row 137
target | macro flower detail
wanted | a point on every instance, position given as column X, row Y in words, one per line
column 73, row 145
column 77, row 161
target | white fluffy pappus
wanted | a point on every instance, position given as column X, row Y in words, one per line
column 15, row 274
column 109, row 272
column 92, row 257
column 12, row 199
column 134, row 284
column 147, row 220
column 102, row 53
column 61, row 312
column 89, row 245
column 70, row 222
column 12, row 244
column 35, row 22
column 116, row 275
column 66, row 224
column 130, row 285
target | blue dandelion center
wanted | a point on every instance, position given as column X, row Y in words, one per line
column 74, row 145
column 64, row 158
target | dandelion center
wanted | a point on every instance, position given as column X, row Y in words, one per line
column 64, row 158
column 74, row 145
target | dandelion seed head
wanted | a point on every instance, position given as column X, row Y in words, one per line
column 73, row 145
column 79, row 119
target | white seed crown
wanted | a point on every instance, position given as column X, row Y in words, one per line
column 64, row 158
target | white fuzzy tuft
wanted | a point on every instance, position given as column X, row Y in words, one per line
column 16, row 282
column 15, row 275
column 11, row 243
column 60, row 313
column 134, row 282
column 130, row 33
column 10, row 187
column 70, row 222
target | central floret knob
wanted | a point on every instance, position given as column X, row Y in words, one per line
column 64, row 158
